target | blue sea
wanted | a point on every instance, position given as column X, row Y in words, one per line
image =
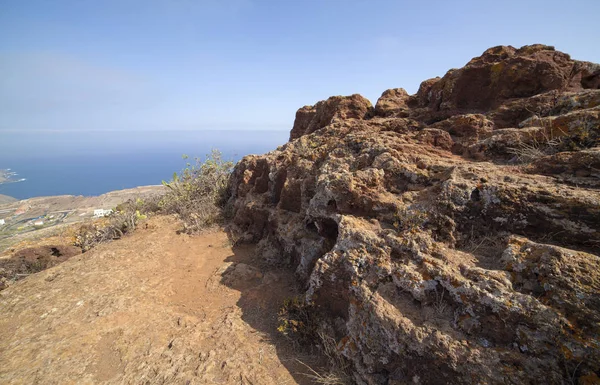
column 96, row 163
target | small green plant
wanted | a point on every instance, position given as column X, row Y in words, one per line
column 90, row 235
column 198, row 194
column 411, row 220
column 585, row 136
column 295, row 321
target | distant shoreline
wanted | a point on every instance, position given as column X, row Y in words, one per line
column 90, row 171
column 6, row 176
column 138, row 189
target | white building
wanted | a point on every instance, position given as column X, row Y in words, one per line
column 38, row 223
column 98, row 213
column 2, row 222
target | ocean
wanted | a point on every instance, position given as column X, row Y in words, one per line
column 93, row 164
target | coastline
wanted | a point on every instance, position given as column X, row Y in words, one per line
column 6, row 176
column 3, row 176
column 4, row 179
column 37, row 216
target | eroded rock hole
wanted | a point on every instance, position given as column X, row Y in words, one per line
column 328, row 228
column 310, row 226
column 55, row 252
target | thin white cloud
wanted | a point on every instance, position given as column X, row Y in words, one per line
column 40, row 90
column 51, row 80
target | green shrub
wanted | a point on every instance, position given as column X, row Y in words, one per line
column 90, row 235
column 198, row 194
column 296, row 322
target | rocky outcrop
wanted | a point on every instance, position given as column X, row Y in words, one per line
column 393, row 103
column 311, row 118
column 448, row 237
column 502, row 74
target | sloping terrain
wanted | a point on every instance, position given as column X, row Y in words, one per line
column 447, row 237
column 155, row 307
column 57, row 212
column 6, row 199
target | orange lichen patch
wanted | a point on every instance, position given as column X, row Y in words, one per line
column 343, row 342
column 567, row 353
column 589, row 379
column 432, row 262
column 573, row 322
column 496, row 70
column 547, row 297
column 352, row 346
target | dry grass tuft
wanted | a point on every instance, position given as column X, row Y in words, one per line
column 327, row 378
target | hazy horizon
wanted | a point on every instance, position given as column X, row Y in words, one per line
column 147, row 66
column 95, row 163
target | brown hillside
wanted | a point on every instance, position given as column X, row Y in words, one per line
column 6, row 199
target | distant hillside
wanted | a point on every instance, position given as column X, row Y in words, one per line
column 56, row 211
column 6, row 199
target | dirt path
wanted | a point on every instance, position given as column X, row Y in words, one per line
column 153, row 308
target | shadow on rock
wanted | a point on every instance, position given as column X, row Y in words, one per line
column 264, row 288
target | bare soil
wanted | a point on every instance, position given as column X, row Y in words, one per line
column 155, row 307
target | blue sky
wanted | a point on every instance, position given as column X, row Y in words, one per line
column 83, row 65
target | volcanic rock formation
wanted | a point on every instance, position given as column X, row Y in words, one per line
column 447, row 237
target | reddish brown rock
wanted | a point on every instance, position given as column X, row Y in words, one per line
column 393, row 103
column 504, row 73
column 425, row 94
column 430, row 266
column 578, row 168
column 466, row 130
column 311, row 118
column 436, row 138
